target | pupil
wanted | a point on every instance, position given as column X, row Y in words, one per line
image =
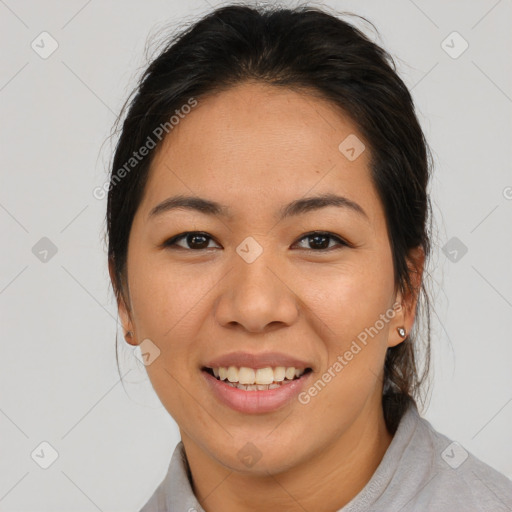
column 193, row 238
column 315, row 239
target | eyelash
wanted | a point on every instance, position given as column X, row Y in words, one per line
column 171, row 242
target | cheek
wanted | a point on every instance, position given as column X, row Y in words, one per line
column 353, row 308
column 167, row 313
column 166, row 300
column 351, row 296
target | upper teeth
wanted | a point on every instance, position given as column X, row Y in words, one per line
column 266, row 375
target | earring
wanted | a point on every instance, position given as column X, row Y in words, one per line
column 401, row 331
column 128, row 334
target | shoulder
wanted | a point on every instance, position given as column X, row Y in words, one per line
column 455, row 478
column 175, row 490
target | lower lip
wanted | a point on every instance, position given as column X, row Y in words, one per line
column 253, row 402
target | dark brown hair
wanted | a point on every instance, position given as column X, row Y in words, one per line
column 312, row 50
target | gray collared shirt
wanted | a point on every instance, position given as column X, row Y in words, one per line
column 422, row 470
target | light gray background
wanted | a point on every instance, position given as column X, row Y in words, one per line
column 58, row 378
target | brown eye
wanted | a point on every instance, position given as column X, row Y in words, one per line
column 319, row 241
column 194, row 240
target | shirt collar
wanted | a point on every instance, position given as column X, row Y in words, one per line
column 178, row 483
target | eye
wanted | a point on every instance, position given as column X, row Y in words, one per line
column 320, row 240
column 195, row 240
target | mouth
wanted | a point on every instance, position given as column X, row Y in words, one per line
column 256, row 390
column 257, row 379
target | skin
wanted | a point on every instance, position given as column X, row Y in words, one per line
column 256, row 148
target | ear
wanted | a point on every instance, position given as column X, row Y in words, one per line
column 123, row 309
column 405, row 305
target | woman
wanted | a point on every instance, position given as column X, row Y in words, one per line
column 268, row 222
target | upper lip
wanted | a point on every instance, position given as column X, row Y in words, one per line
column 256, row 361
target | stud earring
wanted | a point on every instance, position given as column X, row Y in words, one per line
column 401, row 331
column 128, row 334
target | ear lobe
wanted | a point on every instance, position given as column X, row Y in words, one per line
column 126, row 321
column 399, row 321
column 122, row 309
column 405, row 305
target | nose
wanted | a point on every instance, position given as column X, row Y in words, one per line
column 257, row 296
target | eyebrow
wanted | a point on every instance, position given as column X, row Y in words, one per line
column 297, row 207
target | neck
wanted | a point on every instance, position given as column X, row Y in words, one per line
column 329, row 480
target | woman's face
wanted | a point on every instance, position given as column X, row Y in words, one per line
column 254, row 282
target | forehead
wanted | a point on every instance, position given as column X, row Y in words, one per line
column 255, row 144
